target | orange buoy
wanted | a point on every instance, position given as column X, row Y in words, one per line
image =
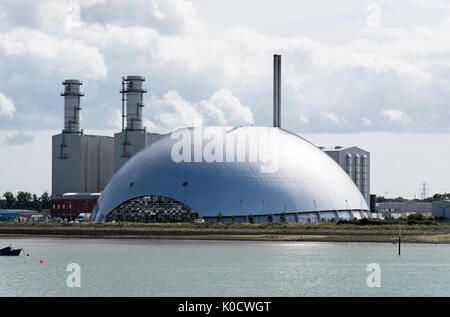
column 41, row 261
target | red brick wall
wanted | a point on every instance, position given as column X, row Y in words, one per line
column 60, row 206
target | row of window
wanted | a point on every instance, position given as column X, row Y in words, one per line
column 58, row 206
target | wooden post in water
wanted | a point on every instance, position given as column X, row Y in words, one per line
column 399, row 239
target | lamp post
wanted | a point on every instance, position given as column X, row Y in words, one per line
column 316, row 211
column 242, row 214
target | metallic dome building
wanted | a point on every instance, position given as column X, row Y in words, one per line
column 281, row 173
column 231, row 173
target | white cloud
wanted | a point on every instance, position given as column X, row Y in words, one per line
column 304, row 119
column 333, row 117
column 115, row 119
column 366, row 122
column 226, row 109
column 177, row 112
column 436, row 4
column 395, row 115
column 181, row 50
column 67, row 55
column 7, row 107
column 19, row 139
column 222, row 108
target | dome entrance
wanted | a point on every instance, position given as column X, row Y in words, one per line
column 152, row 208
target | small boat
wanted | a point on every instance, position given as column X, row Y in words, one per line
column 10, row 251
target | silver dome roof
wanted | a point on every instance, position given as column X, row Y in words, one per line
column 295, row 176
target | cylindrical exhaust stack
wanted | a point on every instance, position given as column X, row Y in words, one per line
column 277, row 91
column 72, row 96
column 134, row 101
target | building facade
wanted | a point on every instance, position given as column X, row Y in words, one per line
column 73, row 204
column 80, row 163
column 441, row 209
column 403, row 209
column 356, row 163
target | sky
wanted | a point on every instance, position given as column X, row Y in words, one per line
column 369, row 74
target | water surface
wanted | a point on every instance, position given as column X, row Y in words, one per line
column 182, row 268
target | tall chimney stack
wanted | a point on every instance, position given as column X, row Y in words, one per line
column 277, row 91
column 72, row 95
column 132, row 93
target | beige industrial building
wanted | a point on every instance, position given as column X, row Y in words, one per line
column 83, row 163
column 356, row 163
column 80, row 163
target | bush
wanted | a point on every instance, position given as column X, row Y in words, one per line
column 416, row 216
column 219, row 217
column 251, row 218
column 270, row 218
column 283, row 217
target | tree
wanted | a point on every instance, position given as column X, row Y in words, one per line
column 219, row 217
column 270, row 218
column 283, row 217
column 251, row 218
column 45, row 201
column 24, row 199
column 35, row 203
column 233, row 218
column 10, row 199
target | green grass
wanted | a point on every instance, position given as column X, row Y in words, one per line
column 378, row 231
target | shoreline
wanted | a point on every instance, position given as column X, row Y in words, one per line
column 320, row 232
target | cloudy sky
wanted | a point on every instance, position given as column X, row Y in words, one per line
column 370, row 74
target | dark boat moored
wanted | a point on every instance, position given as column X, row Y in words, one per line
column 10, row 251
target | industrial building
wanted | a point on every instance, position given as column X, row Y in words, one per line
column 133, row 136
column 303, row 183
column 73, row 204
column 356, row 163
column 148, row 186
column 402, row 209
column 441, row 209
column 80, row 163
column 83, row 163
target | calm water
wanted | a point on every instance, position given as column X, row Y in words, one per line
column 153, row 268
